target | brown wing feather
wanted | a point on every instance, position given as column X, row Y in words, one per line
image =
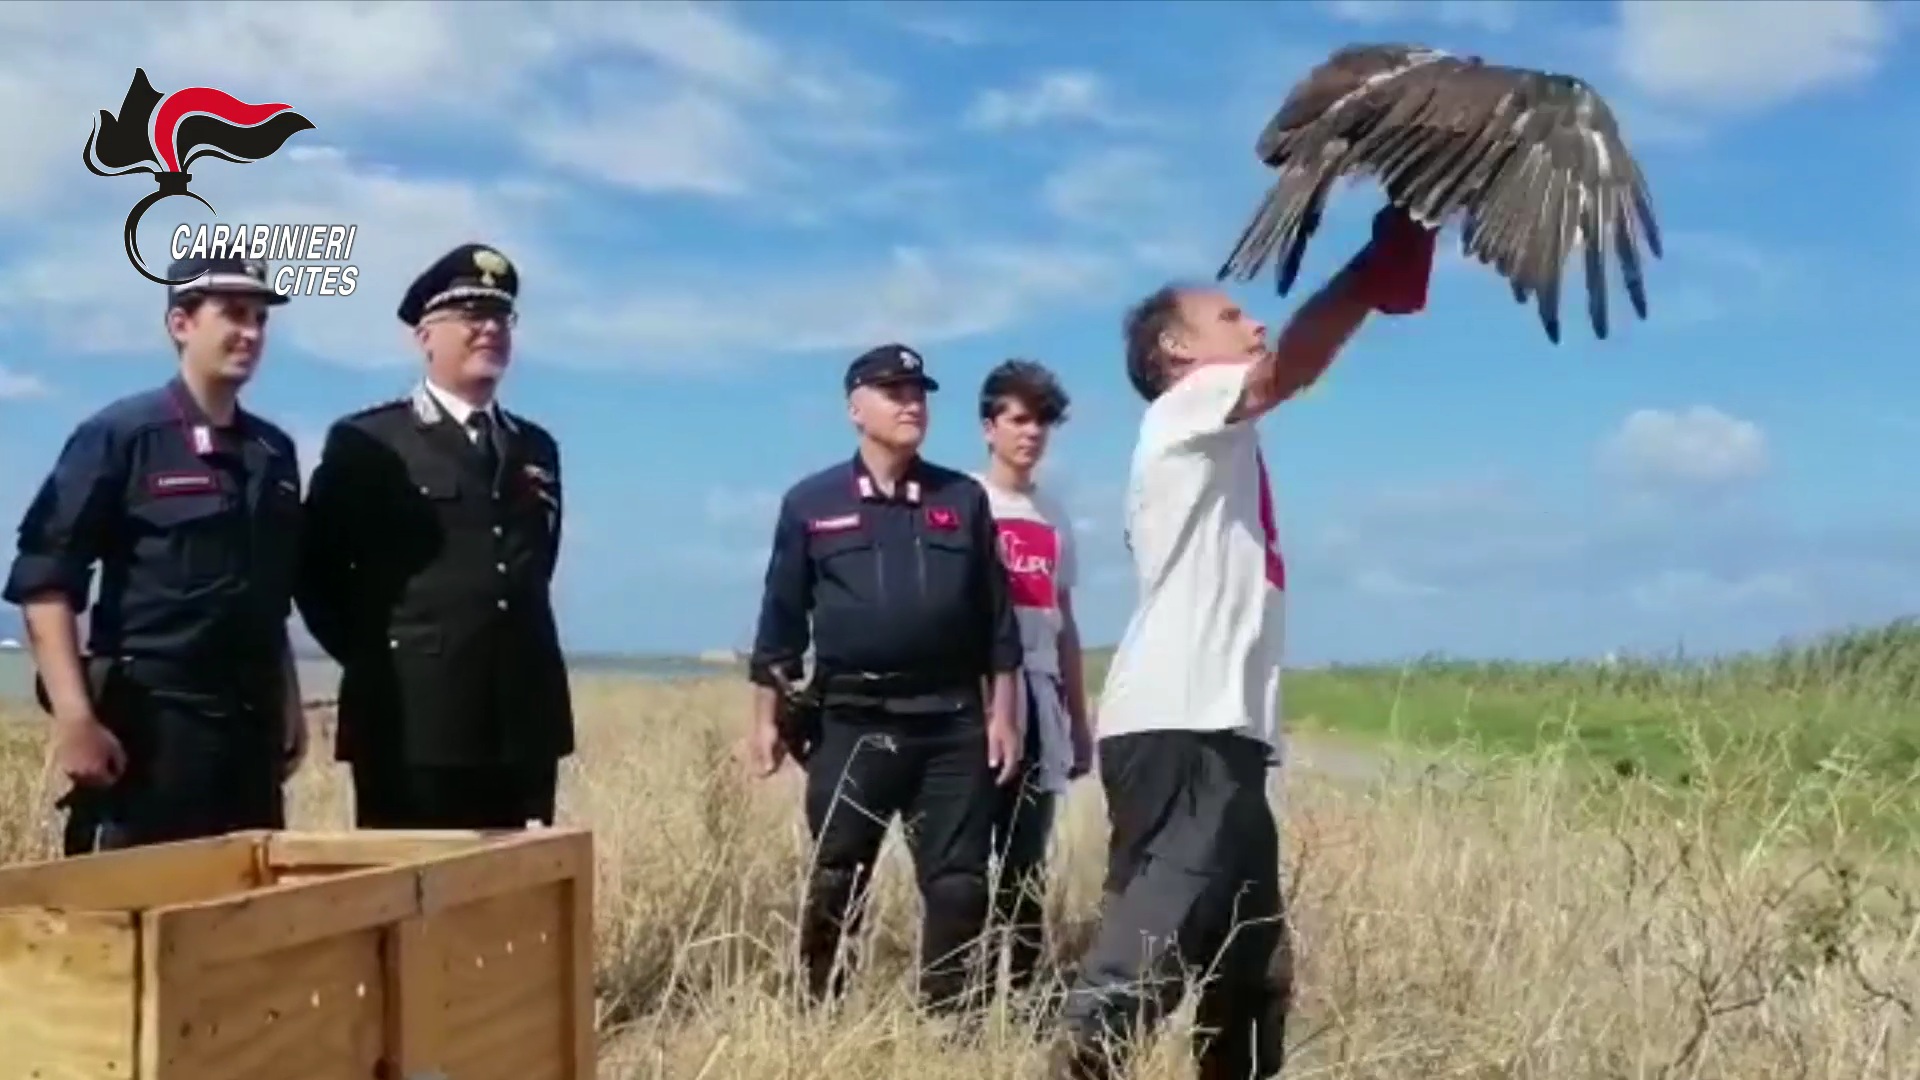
column 1570, row 181
column 1532, row 163
column 1310, row 143
column 1340, row 75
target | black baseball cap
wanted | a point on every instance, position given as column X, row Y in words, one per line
column 220, row 275
column 890, row 363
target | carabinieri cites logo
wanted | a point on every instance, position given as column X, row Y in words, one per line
column 163, row 134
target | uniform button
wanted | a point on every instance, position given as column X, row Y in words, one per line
column 423, row 489
column 496, row 530
column 500, row 566
column 503, row 605
column 393, row 643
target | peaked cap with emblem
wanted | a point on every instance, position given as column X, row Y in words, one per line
column 246, row 277
column 470, row 273
column 890, row 363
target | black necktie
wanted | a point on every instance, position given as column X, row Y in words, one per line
column 482, row 424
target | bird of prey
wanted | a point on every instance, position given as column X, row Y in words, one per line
column 1532, row 163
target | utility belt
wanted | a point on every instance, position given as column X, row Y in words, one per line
column 118, row 688
column 800, row 713
column 879, row 689
column 108, row 678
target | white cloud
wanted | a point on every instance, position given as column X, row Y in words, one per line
column 1050, row 98
column 332, row 62
column 1733, row 54
column 731, row 113
column 1129, row 195
column 922, row 21
column 18, row 386
column 920, row 295
column 1676, row 591
column 77, row 287
column 690, row 142
column 670, row 99
column 1108, row 185
column 1700, row 447
column 1497, row 15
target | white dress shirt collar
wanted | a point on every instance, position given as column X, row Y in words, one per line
column 459, row 409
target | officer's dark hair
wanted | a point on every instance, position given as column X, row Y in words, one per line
column 189, row 305
column 1146, row 325
column 1029, row 383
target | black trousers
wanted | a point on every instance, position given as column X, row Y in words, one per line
column 1193, row 885
column 198, row 765
column 931, row 771
column 389, row 793
column 1022, row 825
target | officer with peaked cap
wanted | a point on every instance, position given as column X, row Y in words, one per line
column 895, row 563
column 433, row 530
column 181, row 718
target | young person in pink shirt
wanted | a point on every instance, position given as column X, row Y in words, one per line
column 1021, row 403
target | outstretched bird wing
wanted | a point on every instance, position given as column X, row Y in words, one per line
column 1533, row 163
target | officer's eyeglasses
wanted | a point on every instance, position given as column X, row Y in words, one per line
column 475, row 317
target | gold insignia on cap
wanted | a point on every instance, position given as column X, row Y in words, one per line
column 491, row 264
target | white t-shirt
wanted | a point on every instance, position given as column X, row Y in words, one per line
column 1036, row 544
column 1202, row 651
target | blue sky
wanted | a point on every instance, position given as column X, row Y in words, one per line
column 715, row 207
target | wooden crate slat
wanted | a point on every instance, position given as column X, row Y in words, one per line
column 138, row 879
column 458, row 954
column 68, row 995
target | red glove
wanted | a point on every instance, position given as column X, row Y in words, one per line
column 1398, row 263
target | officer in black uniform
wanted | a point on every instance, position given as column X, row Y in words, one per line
column 433, row 530
column 181, row 719
column 895, row 561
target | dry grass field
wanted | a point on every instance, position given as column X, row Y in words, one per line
column 1520, row 916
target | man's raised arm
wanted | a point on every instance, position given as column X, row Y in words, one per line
column 1389, row 275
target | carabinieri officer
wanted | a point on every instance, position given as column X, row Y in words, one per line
column 896, row 562
column 433, row 531
column 182, row 719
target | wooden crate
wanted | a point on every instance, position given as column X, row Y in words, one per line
column 303, row 956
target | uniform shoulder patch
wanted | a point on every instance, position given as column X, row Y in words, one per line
column 376, row 410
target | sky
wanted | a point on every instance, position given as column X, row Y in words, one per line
column 714, row 207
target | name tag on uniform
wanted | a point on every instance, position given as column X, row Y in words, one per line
column 843, row 523
column 182, row 483
column 944, row 518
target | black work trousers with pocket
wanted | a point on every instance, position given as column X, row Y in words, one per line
column 199, row 764
column 1022, row 825
column 392, row 794
column 930, row 770
column 1193, row 891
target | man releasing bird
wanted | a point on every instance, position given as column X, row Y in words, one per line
column 1533, row 163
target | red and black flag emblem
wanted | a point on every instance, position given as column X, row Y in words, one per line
column 164, row 134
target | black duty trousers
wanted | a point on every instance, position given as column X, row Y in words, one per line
column 198, row 765
column 932, row 771
column 1022, row 825
column 392, row 794
column 1193, row 888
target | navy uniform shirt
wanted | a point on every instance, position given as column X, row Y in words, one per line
column 193, row 528
column 907, row 588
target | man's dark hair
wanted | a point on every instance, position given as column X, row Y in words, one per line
column 188, row 304
column 1146, row 323
column 1029, row 383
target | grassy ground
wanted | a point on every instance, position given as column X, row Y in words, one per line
column 1529, row 923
